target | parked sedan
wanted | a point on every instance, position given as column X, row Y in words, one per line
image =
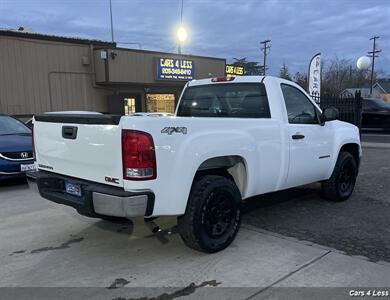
column 16, row 155
column 375, row 114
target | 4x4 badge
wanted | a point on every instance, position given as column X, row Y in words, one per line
column 171, row 130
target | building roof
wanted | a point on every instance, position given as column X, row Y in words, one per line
column 351, row 91
column 46, row 37
column 75, row 40
column 171, row 53
column 384, row 85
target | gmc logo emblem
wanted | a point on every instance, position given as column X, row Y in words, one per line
column 112, row 180
column 24, row 154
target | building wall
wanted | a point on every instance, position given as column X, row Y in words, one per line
column 38, row 76
column 137, row 66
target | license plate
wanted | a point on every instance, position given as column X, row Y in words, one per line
column 26, row 168
column 73, row 189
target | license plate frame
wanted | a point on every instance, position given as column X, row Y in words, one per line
column 27, row 167
column 73, row 189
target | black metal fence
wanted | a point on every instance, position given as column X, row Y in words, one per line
column 350, row 108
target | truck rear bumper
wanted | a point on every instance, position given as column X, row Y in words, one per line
column 97, row 200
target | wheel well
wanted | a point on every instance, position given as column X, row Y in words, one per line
column 353, row 149
column 232, row 167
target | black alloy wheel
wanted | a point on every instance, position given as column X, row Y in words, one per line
column 340, row 185
column 213, row 214
column 346, row 178
column 218, row 214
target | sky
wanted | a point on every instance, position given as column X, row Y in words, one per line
column 222, row 28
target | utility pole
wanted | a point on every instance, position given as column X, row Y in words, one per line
column 265, row 48
column 373, row 55
column 112, row 27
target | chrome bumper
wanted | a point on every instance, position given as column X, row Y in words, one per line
column 127, row 207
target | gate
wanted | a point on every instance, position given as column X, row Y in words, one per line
column 350, row 108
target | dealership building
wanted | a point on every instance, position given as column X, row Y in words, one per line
column 41, row 73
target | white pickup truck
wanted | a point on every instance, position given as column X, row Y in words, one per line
column 230, row 139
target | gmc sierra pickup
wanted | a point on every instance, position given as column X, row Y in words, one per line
column 231, row 138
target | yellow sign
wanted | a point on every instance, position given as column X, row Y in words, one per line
column 233, row 70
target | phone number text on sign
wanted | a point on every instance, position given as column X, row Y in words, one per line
column 175, row 69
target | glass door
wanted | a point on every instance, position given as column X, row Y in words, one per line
column 129, row 106
column 160, row 103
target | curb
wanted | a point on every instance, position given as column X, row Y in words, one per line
column 312, row 244
column 383, row 263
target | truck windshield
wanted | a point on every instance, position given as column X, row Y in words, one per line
column 229, row 100
column 11, row 126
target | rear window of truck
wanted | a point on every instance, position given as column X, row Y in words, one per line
column 225, row 100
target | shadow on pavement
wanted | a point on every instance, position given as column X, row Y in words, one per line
column 13, row 182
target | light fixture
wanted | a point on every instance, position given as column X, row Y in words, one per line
column 182, row 34
column 363, row 63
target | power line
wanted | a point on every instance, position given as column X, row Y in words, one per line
column 373, row 55
column 266, row 49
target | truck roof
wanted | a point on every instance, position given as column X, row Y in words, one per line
column 236, row 79
column 246, row 78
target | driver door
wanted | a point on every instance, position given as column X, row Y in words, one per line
column 310, row 143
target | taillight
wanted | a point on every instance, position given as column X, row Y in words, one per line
column 222, row 78
column 33, row 143
column 138, row 155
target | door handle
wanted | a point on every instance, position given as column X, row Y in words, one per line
column 298, row 136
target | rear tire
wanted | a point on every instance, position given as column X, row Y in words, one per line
column 340, row 185
column 213, row 214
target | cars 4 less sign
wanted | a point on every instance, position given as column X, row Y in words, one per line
column 175, row 69
column 232, row 70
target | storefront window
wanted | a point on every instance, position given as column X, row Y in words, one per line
column 129, row 104
column 160, row 103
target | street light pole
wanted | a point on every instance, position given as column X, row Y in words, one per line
column 179, row 47
column 112, row 26
column 373, row 55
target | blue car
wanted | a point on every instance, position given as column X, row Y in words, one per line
column 16, row 151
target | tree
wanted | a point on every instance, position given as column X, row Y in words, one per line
column 300, row 79
column 250, row 67
column 338, row 75
column 284, row 73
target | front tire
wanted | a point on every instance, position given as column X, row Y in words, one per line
column 340, row 185
column 213, row 214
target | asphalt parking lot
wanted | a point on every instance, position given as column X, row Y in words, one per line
column 288, row 239
column 359, row 226
column 376, row 137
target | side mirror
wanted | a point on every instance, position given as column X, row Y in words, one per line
column 330, row 114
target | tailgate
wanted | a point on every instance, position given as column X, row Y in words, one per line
column 81, row 146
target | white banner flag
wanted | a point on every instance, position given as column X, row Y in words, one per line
column 315, row 75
